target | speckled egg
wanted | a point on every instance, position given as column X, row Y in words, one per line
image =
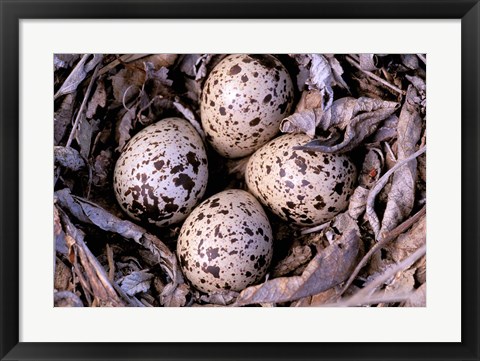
column 225, row 243
column 162, row 173
column 243, row 102
column 302, row 187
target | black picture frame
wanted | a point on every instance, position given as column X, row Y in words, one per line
column 12, row 11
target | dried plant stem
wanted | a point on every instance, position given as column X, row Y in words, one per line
column 315, row 229
column 370, row 300
column 372, row 216
column 132, row 301
column 98, row 282
column 79, row 65
column 366, row 295
column 111, row 264
column 122, row 59
column 82, row 107
column 390, row 151
column 422, row 58
column 390, row 236
column 373, row 76
column 407, row 262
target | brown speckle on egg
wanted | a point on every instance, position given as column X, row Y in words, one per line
column 163, row 173
column 252, row 94
column 230, row 252
column 302, row 187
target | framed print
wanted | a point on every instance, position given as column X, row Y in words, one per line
column 239, row 180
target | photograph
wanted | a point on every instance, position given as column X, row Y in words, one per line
column 239, row 180
column 211, row 159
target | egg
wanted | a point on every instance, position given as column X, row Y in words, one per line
column 162, row 173
column 301, row 187
column 225, row 243
column 243, row 102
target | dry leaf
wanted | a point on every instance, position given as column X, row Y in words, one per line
column 78, row 74
column 367, row 62
column 187, row 64
column 96, row 281
column 320, row 75
column 127, row 84
column 157, row 80
column 371, row 168
column 402, row 283
column 123, row 128
column 327, row 269
column 410, row 61
column 200, row 67
column 310, row 99
column 307, row 113
column 409, row 242
column 358, row 202
column 161, row 60
column 388, row 130
column 136, row 282
column 69, row 158
column 64, row 60
column 189, row 115
column 418, row 297
column 297, row 257
column 379, row 186
column 99, row 98
column 221, row 298
column 60, row 245
column 337, row 71
column 84, row 134
column 63, row 118
column 88, row 212
column 402, row 194
column 63, row 276
column 102, row 168
column 66, row 299
column 319, row 299
column 174, row 296
column 302, row 122
column 358, row 117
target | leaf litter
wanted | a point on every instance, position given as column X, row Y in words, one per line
column 370, row 106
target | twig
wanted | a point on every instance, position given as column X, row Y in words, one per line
column 120, row 60
column 365, row 295
column 315, row 229
column 390, row 151
column 372, row 216
column 390, row 236
column 132, row 301
column 79, row 65
column 82, row 106
column 371, row 300
column 373, row 76
column 407, row 262
column 100, row 286
column 422, row 58
column 111, row 264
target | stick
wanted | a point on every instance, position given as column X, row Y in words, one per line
column 390, row 236
column 373, row 218
column 82, row 106
column 422, row 58
column 315, row 229
column 373, row 76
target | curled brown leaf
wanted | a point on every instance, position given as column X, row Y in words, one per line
column 90, row 213
column 402, row 194
column 327, row 269
column 359, row 118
